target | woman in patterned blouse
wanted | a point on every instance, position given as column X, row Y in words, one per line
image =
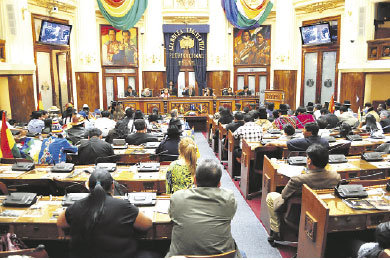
column 180, row 173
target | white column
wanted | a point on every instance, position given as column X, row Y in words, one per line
column 283, row 52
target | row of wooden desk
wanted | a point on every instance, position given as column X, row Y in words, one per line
column 126, row 175
column 38, row 222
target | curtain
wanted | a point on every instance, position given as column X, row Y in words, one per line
column 122, row 14
column 172, row 65
column 200, row 64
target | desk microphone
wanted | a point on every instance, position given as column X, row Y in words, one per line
column 75, row 184
column 346, row 181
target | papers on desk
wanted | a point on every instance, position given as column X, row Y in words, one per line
column 290, row 170
column 326, row 196
column 146, row 176
column 162, row 206
column 6, row 168
column 9, row 213
column 56, row 175
column 342, row 167
column 148, row 211
column 11, row 174
column 381, row 165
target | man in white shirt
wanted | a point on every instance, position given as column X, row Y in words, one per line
column 105, row 124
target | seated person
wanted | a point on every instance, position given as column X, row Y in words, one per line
column 105, row 124
column 227, row 92
column 373, row 249
column 316, row 177
column 302, row 117
column 217, row 115
column 130, row 92
column 77, row 131
column 310, row 133
column 226, row 116
column 165, row 93
column 263, row 121
column 202, row 216
column 180, row 173
column 345, row 129
column 140, row 137
column 283, row 118
column 36, row 124
column 100, row 225
column 270, row 109
column 322, row 124
column 189, row 91
column 95, row 147
column 209, row 92
column 289, row 132
column 347, row 117
column 331, row 119
column 119, row 113
column 238, row 121
column 385, row 121
column 146, row 93
column 370, row 125
column 237, row 108
column 54, row 148
column 172, row 89
column 155, row 111
column 169, row 146
column 245, row 92
column 153, row 124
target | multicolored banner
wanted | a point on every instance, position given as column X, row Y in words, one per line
column 122, row 14
column 244, row 14
column 8, row 145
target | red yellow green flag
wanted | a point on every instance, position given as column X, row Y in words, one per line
column 40, row 103
column 8, row 145
column 331, row 105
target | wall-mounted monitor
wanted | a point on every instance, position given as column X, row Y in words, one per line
column 54, row 33
column 316, row 34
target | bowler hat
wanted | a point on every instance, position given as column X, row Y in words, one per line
column 347, row 103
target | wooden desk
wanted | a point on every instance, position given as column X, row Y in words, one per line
column 135, row 154
column 272, row 179
column 125, row 175
column 38, row 222
column 322, row 216
column 199, row 122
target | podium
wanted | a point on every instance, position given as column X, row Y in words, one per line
column 274, row 96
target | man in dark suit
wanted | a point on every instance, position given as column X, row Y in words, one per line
column 189, row 91
column 141, row 136
column 238, row 121
column 172, row 89
column 316, row 177
column 130, row 92
column 245, row 92
column 90, row 150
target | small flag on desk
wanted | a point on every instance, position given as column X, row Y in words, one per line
column 359, row 114
column 331, row 105
column 8, row 145
column 40, row 103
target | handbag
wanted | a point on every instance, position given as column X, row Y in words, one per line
column 10, row 242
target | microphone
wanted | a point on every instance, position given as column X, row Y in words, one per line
column 346, row 181
column 120, row 189
column 75, row 184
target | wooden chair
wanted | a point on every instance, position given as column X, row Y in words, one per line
column 107, row 159
column 385, row 254
column 230, row 254
column 3, row 188
column 38, row 252
column 342, row 148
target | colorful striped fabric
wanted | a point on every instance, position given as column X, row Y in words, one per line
column 8, row 145
column 122, row 14
column 244, row 15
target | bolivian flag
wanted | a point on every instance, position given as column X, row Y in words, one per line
column 8, row 145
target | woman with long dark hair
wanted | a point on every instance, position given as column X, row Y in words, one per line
column 100, row 225
column 370, row 125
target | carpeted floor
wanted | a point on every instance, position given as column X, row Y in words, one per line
column 247, row 230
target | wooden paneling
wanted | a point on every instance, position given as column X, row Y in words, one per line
column 286, row 80
column 21, row 96
column 87, row 86
column 352, row 86
column 218, row 80
column 154, row 80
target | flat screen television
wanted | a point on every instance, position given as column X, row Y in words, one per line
column 316, row 34
column 54, row 33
